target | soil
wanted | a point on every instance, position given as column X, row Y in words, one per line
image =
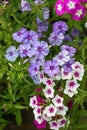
column 27, row 122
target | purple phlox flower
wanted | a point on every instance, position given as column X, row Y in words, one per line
column 39, row 1
column 25, row 6
column 60, row 26
column 70, row 49
column 41, row 125
column 68, row 65
column 45, row 13
column 56, row 39
column 11, row 53
column 51, row 68
column 42, row 25
column 67, row 38
column 41, row 48
column 33, row 69
column 31, row 37
column 25, row 50
column 62, row 57
column 75, row 32
column 20, row 35
column 38, row 60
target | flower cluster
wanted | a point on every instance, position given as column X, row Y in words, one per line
column 73, row 7
column 59, row 75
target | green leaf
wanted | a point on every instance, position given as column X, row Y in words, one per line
column 18, row 117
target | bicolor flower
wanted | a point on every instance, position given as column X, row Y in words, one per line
column 65, row 75
column 25, row 6
column 48, row 92
column 54, row 125
column 57, row 100
column 33, row 102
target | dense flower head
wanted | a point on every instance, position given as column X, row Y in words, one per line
column 11, row 53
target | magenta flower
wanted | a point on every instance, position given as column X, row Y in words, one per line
column 40, row 126
column 70, row 5
column 60, row 7
column 79, row 12
column 51, row 68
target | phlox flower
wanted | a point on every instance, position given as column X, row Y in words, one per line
column 42, row 26
column 70, row 5
column 70, row 49
column 25, row 6
column 41, row 48
column 68, row 65
column 68, row 38
column 62, row 122
column 54, row 125
column 51, row 68
column 48, row 82
column 37, row 60
column 72, row 85
column 50, row 110
column 65, row 75
column 57, row 101
column 33, row 102
column 39, row 1
column 78, row 65
column 56, row 39
column 62, row 57
column 60, row 7
column 60, row 27
column 77, row 74
column 33, row 69
column 48, row 92
column 69, row 92
column 11, row 54
column 79, row 12
column 25, row 50
column 61, row 110
column 45, row 13
column 37, row 111
column 20, row 35
column 31, row 37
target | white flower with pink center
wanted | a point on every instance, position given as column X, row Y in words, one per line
column 69, row 92
column 61, row 110
column 45, row 117
column 33, row 102
column 57, row 100
column 57, row 76
column 48, row 92
column 62, row 122
column 77, row 74
column 78, row 65
column 50, row 110
column 66, row 75
column 72, row 85
column 54, row 125
column 37, row 111
column 48, row 82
